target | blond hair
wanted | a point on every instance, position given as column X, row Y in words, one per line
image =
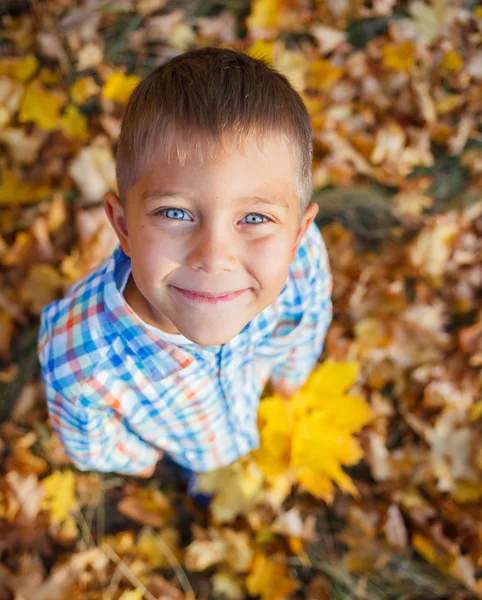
column 188, row 105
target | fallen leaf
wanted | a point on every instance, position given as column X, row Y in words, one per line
column 59, row 495
column 40, row 106
column 269, row 578
column 146, row 506
column 118, row 87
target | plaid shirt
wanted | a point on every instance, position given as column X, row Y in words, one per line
column 120, row 395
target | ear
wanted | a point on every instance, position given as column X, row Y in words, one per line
column 309, row 216
column 116, row 213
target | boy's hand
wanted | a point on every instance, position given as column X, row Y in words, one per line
column 149, row 472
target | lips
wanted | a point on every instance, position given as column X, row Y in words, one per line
column 208, row 297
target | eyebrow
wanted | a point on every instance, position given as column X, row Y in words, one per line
column 158, row 194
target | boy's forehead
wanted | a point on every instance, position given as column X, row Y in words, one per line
column 204, row 147
column 264, row 167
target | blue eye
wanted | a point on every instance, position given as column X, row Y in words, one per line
column 176, row 214
column 258, row 216
column 179, row 214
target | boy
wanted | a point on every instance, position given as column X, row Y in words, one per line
column 219, row 283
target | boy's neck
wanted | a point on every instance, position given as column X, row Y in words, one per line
column 138, row 303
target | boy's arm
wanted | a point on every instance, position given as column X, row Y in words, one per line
column 288, row 376
column 97, row 439
column 94, row 436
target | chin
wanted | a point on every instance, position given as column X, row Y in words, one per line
column 210, row 338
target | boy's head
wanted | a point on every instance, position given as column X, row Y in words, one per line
column 214, row 177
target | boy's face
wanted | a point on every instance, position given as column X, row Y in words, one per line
column 227, row 226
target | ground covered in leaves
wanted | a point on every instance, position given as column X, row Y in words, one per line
column 367, row 483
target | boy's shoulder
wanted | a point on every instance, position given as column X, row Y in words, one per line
column 74, row 329
column 310, row 263
column 81, row 301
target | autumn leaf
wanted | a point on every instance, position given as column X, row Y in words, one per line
column 429, row 19
column 261, row 49
column 74, row 123
column 431, row 553
column 146, row 506
column 20, row 69
column 311, row 434
column 264, row 14
column 15, row 191
column 59, row 495
column 118, row 87
column 275, row 436
column 399, row 57
column 83, row 89
column 97, row 160
column 40, row 106
column 323, row 74
column 321, row 447
column 269, row 578
column 452, row 61
column 158, row 548
column 40, row 287
column 236, row 489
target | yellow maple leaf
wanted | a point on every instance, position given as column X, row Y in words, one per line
column 261, row 49
column 119, row 87
column 432, row 553
column 312, row 434
column 16, row 191
column 399, row 57
column 322, row 446
column 332, row 377
column 275, row 438
column 19, row 69
column 48, row 77
column 59, row 497
column 269, row 577
column 74, row 123
column 83, row 89
column 323, row 74
column 452, row 61
column 264, row 14
column 158, row 548
column 40, row 106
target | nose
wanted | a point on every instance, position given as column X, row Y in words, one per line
column 214, row 250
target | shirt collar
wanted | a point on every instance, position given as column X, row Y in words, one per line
column 159, row 356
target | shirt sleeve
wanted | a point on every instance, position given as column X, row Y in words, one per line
column 307, row 345
column 97, row 439
column 94, row 436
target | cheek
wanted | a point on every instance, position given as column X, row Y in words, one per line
column 152, row 260
column 270, row 262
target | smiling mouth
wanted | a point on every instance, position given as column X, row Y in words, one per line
column 208, row 297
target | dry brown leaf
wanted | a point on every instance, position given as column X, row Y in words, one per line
column 146, row 506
